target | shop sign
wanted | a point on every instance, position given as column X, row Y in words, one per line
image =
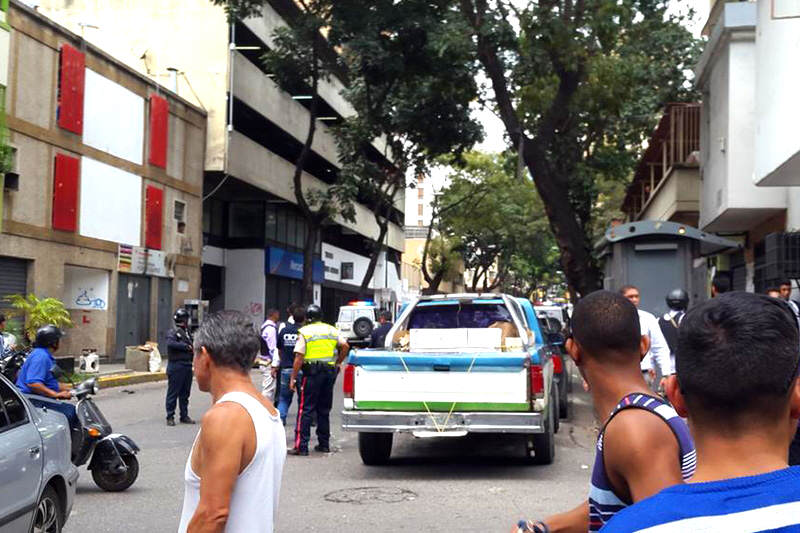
column 280, row 262
column 138, row 260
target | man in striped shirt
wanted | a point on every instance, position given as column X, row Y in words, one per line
column 737, row 366
column 643, row 445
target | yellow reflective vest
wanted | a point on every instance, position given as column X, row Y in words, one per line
column 321, row 341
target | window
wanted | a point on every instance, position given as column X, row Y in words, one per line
column 245, row 219
column 347, row 270
column 420, row 222
column 12, row 412
column 179, row 211
column 270, row 223
column 280, row 234
column 291, row 229
column 420, row 193
column 420, row 208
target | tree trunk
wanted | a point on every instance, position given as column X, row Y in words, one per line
column 378, row 247
column 312, row 235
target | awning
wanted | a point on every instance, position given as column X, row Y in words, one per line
column 709, row 243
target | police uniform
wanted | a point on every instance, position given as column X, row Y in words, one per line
column 179, row 373
column 317, row 343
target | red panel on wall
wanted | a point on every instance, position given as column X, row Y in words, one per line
column 154, row 217
column 159, row 123
column 70, row 89
column 65, row 193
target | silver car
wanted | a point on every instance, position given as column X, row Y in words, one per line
column 37, row 479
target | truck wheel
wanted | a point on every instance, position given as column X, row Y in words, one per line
column 544, row 444
column 556, row 395
column 563, row 400
column 375, row 448
column 362, row 327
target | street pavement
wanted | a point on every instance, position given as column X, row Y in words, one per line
column 475, row 483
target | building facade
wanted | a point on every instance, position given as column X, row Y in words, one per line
column 105, row 211
column 253, row 231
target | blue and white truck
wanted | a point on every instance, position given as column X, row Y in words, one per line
column 455, row 364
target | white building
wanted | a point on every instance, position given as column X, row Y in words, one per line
column 253, row 231
column 749, row 148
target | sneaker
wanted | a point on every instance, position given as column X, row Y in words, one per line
column 322, row 449
column 170, row 421
column 187, row 420
column 295, row 451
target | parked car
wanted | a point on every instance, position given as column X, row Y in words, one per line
column 458, row 364
column 356, row 322
column 554, row 330
column 37, row 478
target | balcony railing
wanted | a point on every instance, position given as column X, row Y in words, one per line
column 675, row 142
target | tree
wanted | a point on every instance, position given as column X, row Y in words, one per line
column 577, row 84
column 296, row 61
column 410, row 82
column 504, row 238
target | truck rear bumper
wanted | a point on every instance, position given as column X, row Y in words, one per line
column 408, row 422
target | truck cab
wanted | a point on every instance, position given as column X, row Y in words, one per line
column 454, row 364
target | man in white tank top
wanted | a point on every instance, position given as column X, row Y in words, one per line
column 233, row 474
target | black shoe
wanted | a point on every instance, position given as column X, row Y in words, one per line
column 321, row 448
column 170, row 421
column 295, row 451
column 187, row 420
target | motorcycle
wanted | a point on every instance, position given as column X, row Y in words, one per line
column 111, row 456
column 10, row 363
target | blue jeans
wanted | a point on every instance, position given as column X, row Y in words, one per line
column 285, row 394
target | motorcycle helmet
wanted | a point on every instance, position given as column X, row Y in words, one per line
column 181, row 316
column 313, row 313
column 47, row 336
column 678, row 299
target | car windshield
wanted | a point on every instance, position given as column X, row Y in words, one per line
column 473, row 315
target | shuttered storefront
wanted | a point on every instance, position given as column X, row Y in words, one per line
column 13, row 278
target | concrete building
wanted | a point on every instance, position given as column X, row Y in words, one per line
column 109, row 164
column 253, row 231
column 749, row 152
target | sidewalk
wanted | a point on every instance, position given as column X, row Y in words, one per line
column 116, row 375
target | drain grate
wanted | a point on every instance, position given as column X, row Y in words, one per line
column 370, row 495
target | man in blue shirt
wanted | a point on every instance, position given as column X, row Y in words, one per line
column 36, row 376
column 737, row 366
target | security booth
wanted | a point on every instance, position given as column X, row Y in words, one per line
column 658, row 256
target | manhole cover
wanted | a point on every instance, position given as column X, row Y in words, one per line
column 368, row 495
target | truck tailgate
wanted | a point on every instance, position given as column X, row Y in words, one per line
column 417, row 382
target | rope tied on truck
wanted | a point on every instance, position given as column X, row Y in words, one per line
column 443, row 427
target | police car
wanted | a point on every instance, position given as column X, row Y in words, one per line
column 356, row 321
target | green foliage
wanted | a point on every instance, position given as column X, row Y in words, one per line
column 584, row 83
column 444, row 258
column 501, row 227
column 39, row 312
column 240, row 9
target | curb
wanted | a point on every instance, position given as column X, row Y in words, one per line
column 120, row 380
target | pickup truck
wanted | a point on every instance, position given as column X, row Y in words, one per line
column 454, row 364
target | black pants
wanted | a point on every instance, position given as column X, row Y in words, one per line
column 179, row 386
column 316, row 396
column 794, row 450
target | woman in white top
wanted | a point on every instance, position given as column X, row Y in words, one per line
column 233, row 474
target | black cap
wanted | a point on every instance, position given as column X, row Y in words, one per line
column 678, row 299
column 47, row 336
column 313, row 313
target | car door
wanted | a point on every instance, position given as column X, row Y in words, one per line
column 20, row 461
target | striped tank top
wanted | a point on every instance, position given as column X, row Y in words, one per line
column 603, row 502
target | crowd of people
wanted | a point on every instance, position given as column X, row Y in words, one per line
column 698, row 411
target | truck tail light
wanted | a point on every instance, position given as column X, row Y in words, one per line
column 558, row 364
column 537, row 382
column 349, row 382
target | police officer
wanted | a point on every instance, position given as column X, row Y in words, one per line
column 315, row 353
column 677, row 301
column 179, row 367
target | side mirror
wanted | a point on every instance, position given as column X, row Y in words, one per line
column 555, row 338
